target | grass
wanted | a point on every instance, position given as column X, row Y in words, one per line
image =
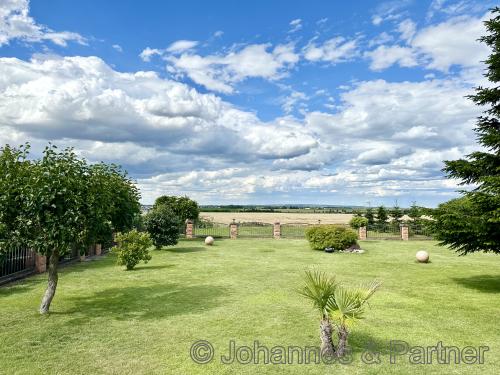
column 108, row 321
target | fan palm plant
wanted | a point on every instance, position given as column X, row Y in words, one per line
column 335, row 303
column 345, row 307
column 319, row 289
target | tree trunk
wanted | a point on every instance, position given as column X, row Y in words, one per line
column 342, row 334
column 325, row 334
column 52, row 282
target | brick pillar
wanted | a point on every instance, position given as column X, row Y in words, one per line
column 40, row 263
column 233, row 230
column 98, row 249
column 189, row 228
column 404, row 233
column 277, row 230
column 362, row 233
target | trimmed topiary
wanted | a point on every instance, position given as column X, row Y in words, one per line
column 334, row 236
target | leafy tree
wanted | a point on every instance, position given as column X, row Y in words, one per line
column 337, row 305
column 54, row 204
column 112, row 203
column 126, row 195
column 396, row 213
column 370, row 216
column 163, row 226
column 182, row 207
column 382, row 215
column 357, row 213
column 53, row 210
column 415, row 212
column 132, row 247
column 15, row 172
column 479, row 232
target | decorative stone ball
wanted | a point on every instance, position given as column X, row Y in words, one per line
column 209, row 241
column 422, row 256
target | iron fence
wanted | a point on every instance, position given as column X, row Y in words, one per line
column 15, row 263
column 182, row 230
column 73, row 254
column 419, row 232
column 216, row 230
column 294, row 230
column 255, row 230
column 383, row 231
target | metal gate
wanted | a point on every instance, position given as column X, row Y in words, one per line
column 216, row 230
column 383, row 231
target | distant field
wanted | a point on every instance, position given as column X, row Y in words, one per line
column 282, row 217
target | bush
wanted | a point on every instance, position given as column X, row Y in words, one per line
column 358, row 222
column 163, row 226
column 336, row 237
column 132, row 247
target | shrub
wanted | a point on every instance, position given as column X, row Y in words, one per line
column 358, row 222
column 163, row 226
column 336, row 237
column 132, row 247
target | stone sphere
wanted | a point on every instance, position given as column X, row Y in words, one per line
column 209, row 241
column 422, row 256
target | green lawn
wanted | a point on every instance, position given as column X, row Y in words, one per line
column 108, row 321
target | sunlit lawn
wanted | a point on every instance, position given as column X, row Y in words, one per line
column 108, row 321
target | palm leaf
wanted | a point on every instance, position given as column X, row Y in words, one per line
column 318, row 288
column 347, row 305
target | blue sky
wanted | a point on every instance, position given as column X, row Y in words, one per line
column 250, row 102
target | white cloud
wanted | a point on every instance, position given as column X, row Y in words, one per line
column 454, row 8
column 117, row 47
column 382, row 38
column 383, row 57
column 147, row 53
column 383, row 139
column 389, row 11
column 334, row 50
column 181, row 46
column 453, row 42
column 380, row 110
column 16, row 23
column 295, row 25
column 407, row 29
column 290, row 101
column 83, row 98
column 439, row 46
column 221, row 72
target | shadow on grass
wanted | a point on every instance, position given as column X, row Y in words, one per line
column 360, row 342
column 184, row 249
column 482, row 283
column 145, row 302
column 148, row 267
column 20, row 286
